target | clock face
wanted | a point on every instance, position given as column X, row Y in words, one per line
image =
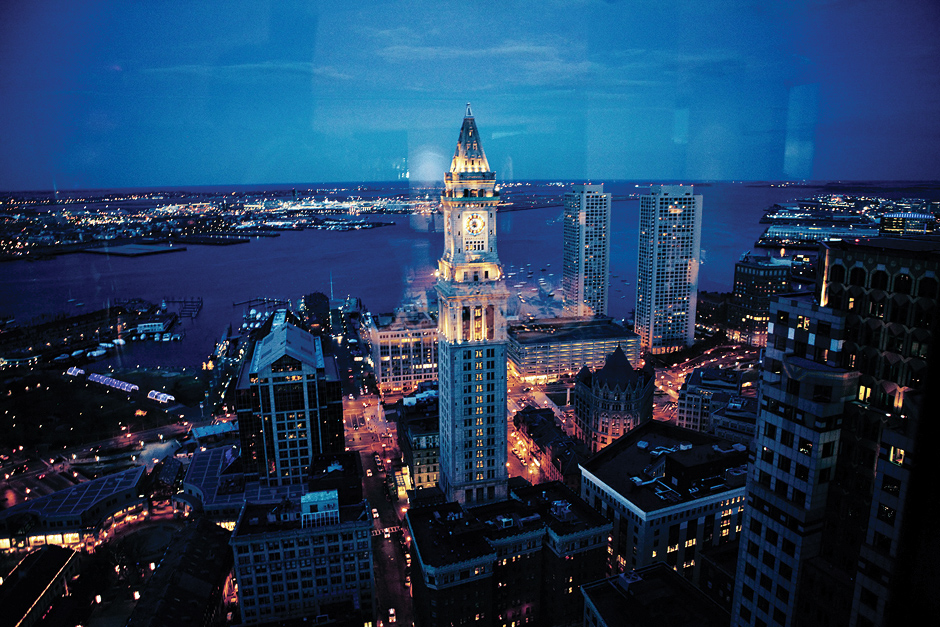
column 474, row 223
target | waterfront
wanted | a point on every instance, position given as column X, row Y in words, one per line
column 383, row 266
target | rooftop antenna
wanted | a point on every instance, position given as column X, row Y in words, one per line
column 331, row 285
column 469, row 113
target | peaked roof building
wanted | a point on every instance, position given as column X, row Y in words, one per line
column 612, row 401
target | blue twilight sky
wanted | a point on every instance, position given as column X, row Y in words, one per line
column 151, row 93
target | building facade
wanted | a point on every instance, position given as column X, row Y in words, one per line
column 403, row 349
column 670, row 493
column 513, row 562
column 472, row 298
column 313, row 558
column 586, row 277
column 290, row 404
column 612, row 400
column 802, row 403
column 667, row 271
column 756, row 281
column 544, row 350
column 704, row 391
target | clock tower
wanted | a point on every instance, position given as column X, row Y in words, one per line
column 471, row 330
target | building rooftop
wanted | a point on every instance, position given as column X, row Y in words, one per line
column 927, row 246
column 194, row 568
column 262, row 518
column 447, row 534
column 78, row 499
column 23, row 587
column 287, row 339
column 569, row 330
column 213, row 473
column 651, row 597
column 641, row 465
column 404, row 319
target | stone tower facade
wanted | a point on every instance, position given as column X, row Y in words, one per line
column 471, row 330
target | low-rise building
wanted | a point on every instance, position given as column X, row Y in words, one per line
column 612, row 400
column 652, row 596
column 419, row 439
column 307, row 558
column 79, row 517
column 706, row 390
column 192, row 582
column 404, row 349
column 670, row 492
column 510, row 562
column 544, row 350
column 553, row 455
column 736, row 420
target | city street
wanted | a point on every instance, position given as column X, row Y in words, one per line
column 369, row 434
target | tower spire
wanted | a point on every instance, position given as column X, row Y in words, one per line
column 469, row 113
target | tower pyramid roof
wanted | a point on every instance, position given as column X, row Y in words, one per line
column 469, row 156
column 616, row 370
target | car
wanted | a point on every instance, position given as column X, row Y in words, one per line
column 368, row 472
column 375, row 513
column 391, row 615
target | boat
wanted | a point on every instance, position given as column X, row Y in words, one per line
column 143, row 336
column 78, row 353
column 105, row 345
column 119, row 342
column 62, row 357
column 166, row 337
column 97, row 353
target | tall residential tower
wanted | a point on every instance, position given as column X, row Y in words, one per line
column 471, row 330
column 667, row 273
column 587, row 250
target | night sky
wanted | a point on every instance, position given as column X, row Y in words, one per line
column 165, row 93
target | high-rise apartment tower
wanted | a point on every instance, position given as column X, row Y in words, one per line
column 586, row 276
column 667, row 273
column 471, row 330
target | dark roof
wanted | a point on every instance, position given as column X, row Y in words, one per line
column 189, row 580
column 29, row 580
column 616, row 370
column 557, row 330
column 653, row 596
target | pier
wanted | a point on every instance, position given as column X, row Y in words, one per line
column 189, row 307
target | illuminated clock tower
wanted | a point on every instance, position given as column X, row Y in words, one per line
column 471, row 330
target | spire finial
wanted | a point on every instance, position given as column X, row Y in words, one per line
column 469, row 113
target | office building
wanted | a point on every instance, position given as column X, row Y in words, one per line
column 290, row 403
column 669, row 492
column 667, row 272
column 312, row 558
column 547, row 349
column 612, row 400
column 799, row 426
column 586, row 278
column 404, row 349
column 419, row 438
column 517, row 561
column 736, row 420
column 706, row 390
column 472, row 341
column 756, row 280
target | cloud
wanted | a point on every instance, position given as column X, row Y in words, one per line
column 243, row 70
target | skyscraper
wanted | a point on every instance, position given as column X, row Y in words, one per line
column 667, row 273
column 472, row 330
column 290, row 404
column 586, row 277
